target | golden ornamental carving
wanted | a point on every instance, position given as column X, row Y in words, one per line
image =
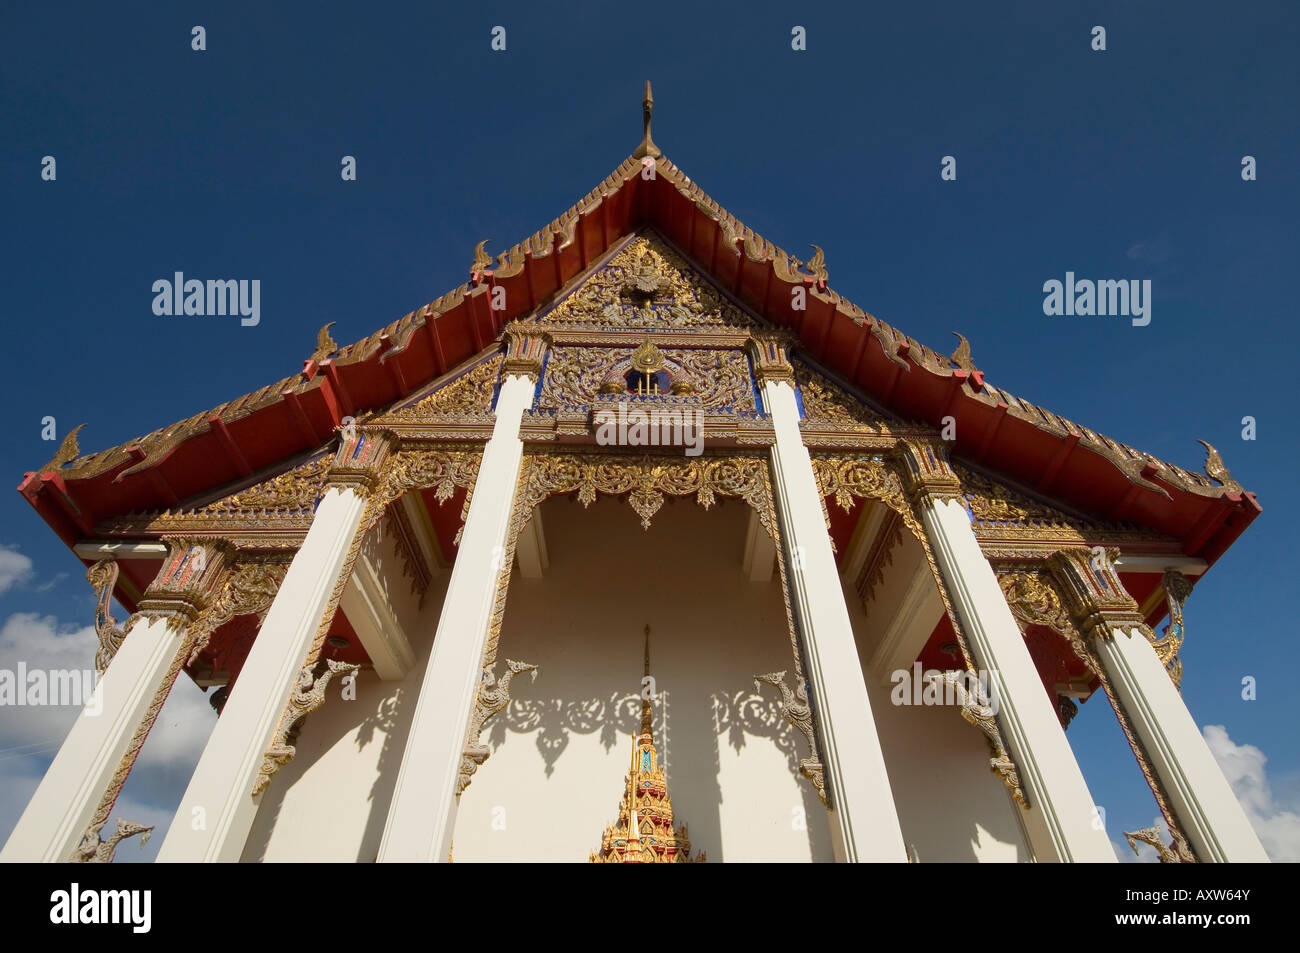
column 1217, row 470
column 493, row 697
column 1000, row 513
column 977, row 711
column 307, row 696
column 525, row 350
column 961, row 356
column 1034, row 601
column 796, row 710
column 66, row 453
column 1177, row 588
column 413, row 561
column 471, row 393
column 647, row 358
column 645, row 832
column 647, row 148
column 94, row 850
column 769, row 351
column 102, row 577
column 325, row 344
column 1172, row 853
column 186, row 580
column 817, row 266
column 482, row 260
column 645, row 481
column 929, row 475
column 647, row 285
column 825, row 401
column 718, row 378
column 294, row 490
column 879, row 558
column 248, row 588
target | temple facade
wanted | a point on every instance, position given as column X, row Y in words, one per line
column 417, row 579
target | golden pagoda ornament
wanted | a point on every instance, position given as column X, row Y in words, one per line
column 644, row 832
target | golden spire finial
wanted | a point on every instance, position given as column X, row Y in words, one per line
column 644, row 832
column 647, row 718
column 647, row 147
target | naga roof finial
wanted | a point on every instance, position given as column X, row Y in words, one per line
column 647, row 147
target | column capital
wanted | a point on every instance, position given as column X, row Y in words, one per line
column 1093, row 591
column 360, row 458
column 770, row 351
column 927, row 472
column 187, row 579
column 525, row 351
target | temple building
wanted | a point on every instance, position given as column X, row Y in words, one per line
column 414, row 579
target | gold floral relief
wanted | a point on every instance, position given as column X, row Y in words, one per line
column 720, row 378
column 648, row 285
column 826, row 401
column 471, row 393
column 294, row 489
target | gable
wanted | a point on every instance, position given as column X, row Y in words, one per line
column 895, row 376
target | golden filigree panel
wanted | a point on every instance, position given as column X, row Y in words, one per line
column 720, row 376
column 648, row 285
column 826, row 402
column 471, row 393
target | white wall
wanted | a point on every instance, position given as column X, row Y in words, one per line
column 561, row 752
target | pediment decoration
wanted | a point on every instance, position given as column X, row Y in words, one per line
column 648, row 286
column 998, row 510
column 719, row 378
column 469, row 394
column 827, row 404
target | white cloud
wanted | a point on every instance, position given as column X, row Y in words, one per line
column 41, row 643
column 15, row 568
column 30, row 736
column 47, row 586
column 1278, row 826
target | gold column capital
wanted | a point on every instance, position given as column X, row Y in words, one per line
column 360, row 458
column 928, row 475
column 770, row 352
column 526, row 349
column 1093, row 591
column 187, row 580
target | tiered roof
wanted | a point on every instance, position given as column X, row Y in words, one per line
column 256, row 435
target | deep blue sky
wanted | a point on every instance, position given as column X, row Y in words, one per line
column 1116, row 164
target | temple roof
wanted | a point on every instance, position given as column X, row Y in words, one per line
column 257, row 433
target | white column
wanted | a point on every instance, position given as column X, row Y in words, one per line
column 423, row 810
column 64, row 803
column 1203, row 802
column 864, row 821
column 218, row 808
column 1061, row 823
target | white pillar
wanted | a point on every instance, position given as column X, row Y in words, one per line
column 423, row 810
column 864, row 822
column 1062, row 822
column 1203, row 802
column 64, row 803
column 218, row 808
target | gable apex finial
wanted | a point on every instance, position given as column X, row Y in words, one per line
column 647, row 147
